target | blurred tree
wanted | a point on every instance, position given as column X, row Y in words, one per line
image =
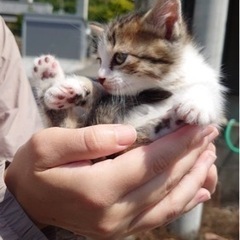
column 99, row 10
column 104, row 10
column 68, row 6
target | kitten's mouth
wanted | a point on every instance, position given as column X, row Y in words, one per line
column 110, row 88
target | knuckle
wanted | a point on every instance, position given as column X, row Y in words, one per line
column 201, row 175
column 174, row 213
column 176, row 209
column 105, row 229
column 195, row 141
column 160, row 164
column 171, row 183
column 99, row 201
column 200, row 183
column 40, row 147
column 212, row 147
column 37, row 144
column 188, row 143
column 91, row 141
column 108, row 220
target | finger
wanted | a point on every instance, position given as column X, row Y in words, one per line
column 139, row 165
column 201, row 196
column 211, row 180
column 212, row 177
column 58, row 146
column 173, row 205
column 212, row 148
column 162, row 184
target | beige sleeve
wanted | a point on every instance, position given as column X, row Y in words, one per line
column 19, row 117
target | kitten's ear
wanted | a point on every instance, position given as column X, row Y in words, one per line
column 165, row 18
column 96, row 29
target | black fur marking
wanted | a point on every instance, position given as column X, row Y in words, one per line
column 152, row 59
column 179, row 122
column 7, row 163
column 79, row 100
column 113, row 109
column 153, row 95
column 112, row 37
column 56, row 116
column 163, row 124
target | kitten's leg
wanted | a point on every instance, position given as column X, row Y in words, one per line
column 73, row 91
column 156, row 129
column 196, row 105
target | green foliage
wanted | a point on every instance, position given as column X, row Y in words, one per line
column 16, row 27
column 99, row 10
column 69, row 6
column 104, row 10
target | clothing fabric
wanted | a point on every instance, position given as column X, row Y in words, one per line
column 19, row 119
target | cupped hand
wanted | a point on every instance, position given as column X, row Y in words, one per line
column 55, row 182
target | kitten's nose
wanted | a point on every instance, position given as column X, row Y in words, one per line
column 101, row 80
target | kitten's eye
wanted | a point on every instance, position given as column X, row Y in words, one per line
column 119, row 58
column 99, row 60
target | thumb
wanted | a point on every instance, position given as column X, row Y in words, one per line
column 58, row 146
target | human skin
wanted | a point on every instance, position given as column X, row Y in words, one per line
column 56, row 184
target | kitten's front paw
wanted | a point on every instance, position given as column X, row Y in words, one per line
column 66, row 94
column 47, row 67
column 195, row 113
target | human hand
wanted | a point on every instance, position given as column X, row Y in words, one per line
column 54, row 181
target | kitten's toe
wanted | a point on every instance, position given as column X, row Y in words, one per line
column 55, row 100
column 73, row 89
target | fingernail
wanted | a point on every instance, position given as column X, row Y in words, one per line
column 204, row 198
column 212, row 155
column 125, row 134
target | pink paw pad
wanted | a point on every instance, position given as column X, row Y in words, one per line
column 61, row 97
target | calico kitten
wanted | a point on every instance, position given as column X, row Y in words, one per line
column 151, row 76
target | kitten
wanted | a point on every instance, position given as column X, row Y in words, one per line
column 151, row 76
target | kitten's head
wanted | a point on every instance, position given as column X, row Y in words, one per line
column 137, row 51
